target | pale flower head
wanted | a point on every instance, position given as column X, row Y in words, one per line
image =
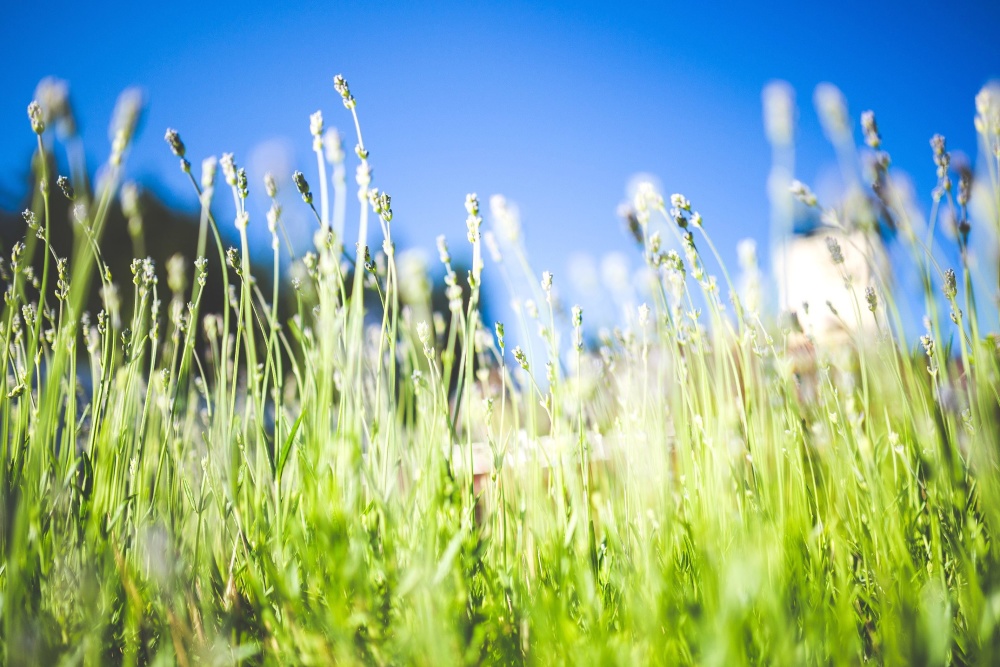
column 778, row 100
column 832, row 109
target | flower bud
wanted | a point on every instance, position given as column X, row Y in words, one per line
column 66, row 187
column 174, row 141
column 302, row 186
column 36, row 117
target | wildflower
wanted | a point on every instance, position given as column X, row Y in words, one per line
column 340, row 85
column 36, row 117
column 928, row 344
column 208, row 168
column 643, row 316
column 801, row 191
column 228, row 168
column 363, row 177
column 871, row 298
column 423, row 333
column 242, row 219
column 646, row 198
column 270, row 185
column 454, row 294
column 53, row 95
column 380, row 203
column 66, row 187
column 233, row 258
column 832, row 110
column 174, row 141
column 505, row 218
column 333, row 146
column 988, row 114
column 835, row 252
column 273, row 215
column 964, row 186
column 472, row 224
column 779, row 112
column 870, row 129
column 384, row 204
column 316, row 124
column 521, row 357
column 950, row 284
column 547, row 281
column 680, row 202
column 241, row 183
column 472, row 203
column 176, row 273
column 124, row 121
column 303, row 187
column 130, row 200
column 942, row 159
column 442, row 246
column 500, row 339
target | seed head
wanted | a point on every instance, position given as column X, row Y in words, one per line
column 333, row 146
column 423, row 333
column 129, row 198
column 832, row 109
column 442, row 246
column 174, row 141
column 870, row 129
column 385, row 209
column 270, row 185
column 802, row 192
column 302, row 186
column 273, row 215
column 521, row 357
column 835, row 252
column 241, row 183
column 964, row 186
column 53, row 95
column 340, row 85
column 228, row 168
column 316, row 124
column 36, row 117
column 871, row 298
column 472, row 203
column 941, row 158
column 66, row 187
column 779, row 112
column 208, row 168
column 128, row 108
column 950, row 284
column 928, row 344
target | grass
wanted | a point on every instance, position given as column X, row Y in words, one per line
column 247, row 488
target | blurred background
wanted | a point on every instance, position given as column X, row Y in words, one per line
column 556, row 106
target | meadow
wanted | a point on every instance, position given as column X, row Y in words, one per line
column 358, row 477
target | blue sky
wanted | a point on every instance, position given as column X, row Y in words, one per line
column 554, row 105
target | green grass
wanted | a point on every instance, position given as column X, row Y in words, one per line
column 245, row 488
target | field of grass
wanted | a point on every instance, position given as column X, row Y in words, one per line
column 703, row 484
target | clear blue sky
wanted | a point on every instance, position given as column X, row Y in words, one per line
column 555, row 106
